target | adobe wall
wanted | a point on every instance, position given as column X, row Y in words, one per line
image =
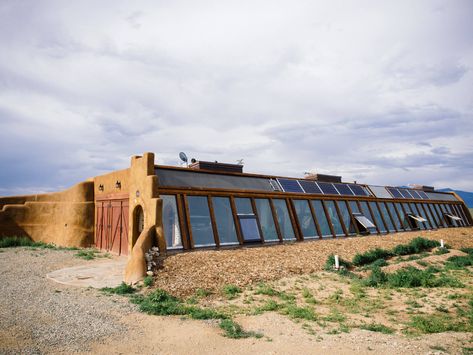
column 64, row 218
column 108, row 182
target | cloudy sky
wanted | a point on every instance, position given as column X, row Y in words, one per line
column 376, row 91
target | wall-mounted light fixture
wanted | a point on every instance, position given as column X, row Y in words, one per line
column 118, row 185
column 101, row 187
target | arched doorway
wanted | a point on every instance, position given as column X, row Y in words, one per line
column 138, row 222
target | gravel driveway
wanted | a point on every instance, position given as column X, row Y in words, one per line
column 38, row 315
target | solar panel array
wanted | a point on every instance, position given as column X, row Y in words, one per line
column 398, row 192
column 323, row 188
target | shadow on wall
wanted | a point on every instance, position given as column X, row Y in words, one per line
column 64, row 218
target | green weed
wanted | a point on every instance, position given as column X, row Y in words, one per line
column 296, row 312
column 123, row 289
column 371, row 256
column 234, row 330
column 231, row 291
column 148, row 281
column 376, row 327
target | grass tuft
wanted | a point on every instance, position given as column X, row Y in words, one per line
column 376, row 327
column 234, row 330
column 370, row 256
column 231, row 291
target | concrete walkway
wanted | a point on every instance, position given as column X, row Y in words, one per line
column 95, row 274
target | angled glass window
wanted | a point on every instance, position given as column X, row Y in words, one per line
column 284, row 219
column 249, row 228
column 404, row 219
column 432, row 217
column 440, row 214
column 224, row 220
column 422, row 213
column 366, row 212
column 392, row 209
column 334, row 218
column 354, row 206
column 172, row 231
column 416, row 213
column 346, row 218
column 243, row 205
column 460, row 213
column 321, row 218
column 189, row 178
column 266, row 220
column 380, row 191
column 387, row 219
column 377, row 217
column 201, row 225
column 305, row 219
column 365, row 223
column 453, row 216
column 415, row 194
column 423, row 195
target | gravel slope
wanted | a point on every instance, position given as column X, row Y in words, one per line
column 211, row 269
column 38, row 315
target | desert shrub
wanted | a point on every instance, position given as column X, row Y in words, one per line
column 467, row 250
column 371, row 256
column 411, row 277
column 459, row 262
column 415, row 246
column 378, row 263
column 376, row 278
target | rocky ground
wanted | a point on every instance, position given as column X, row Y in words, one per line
column 40, row 316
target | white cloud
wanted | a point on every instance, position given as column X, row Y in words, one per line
column 376, row 91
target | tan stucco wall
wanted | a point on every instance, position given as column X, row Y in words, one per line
column 64, row 218
column 108, row 182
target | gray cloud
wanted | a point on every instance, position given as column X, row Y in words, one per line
column 337, row 87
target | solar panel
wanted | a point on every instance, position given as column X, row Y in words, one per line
column 423, row 195
column 395, row 192
column 328, row 188
column 358, row 190
column 415, row 194
column 310, row 187
column 405, row 193
column 290, row 185
column 344, row 189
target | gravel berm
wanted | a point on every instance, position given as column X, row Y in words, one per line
column 212, row 269
column 40, row 316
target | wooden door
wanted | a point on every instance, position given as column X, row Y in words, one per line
column 111, row 229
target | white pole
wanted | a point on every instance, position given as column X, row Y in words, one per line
column 337, row 262
column 441, row 244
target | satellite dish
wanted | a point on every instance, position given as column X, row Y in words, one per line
column 183, row 157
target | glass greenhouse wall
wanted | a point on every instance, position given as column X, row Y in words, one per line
column 210, row 209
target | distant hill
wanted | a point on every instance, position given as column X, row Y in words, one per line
column 466, row 196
